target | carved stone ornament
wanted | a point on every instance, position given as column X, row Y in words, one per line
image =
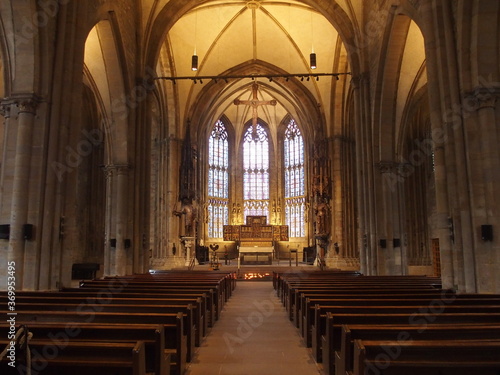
column 28, row 105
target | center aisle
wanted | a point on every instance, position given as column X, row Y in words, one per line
column 253, row 336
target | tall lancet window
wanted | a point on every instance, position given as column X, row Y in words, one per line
column 256, row 172
column 218, row 180
column 295, row 199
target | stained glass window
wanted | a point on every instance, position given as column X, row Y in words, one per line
column 256, row 172
column 295, row 201
column 218, row 180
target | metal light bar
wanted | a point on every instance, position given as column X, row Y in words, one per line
column 253, row 77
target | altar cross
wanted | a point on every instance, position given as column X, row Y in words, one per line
column 254, row 103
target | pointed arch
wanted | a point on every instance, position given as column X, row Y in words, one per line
column 218, row 181
column 104, row 64
column 256, row 169
column 294, row 167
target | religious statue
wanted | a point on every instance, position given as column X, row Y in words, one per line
column 189, row 212
column 322, row 222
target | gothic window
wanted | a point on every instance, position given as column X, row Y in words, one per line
column 256, row 171
column 295, row 200
column 218, row 180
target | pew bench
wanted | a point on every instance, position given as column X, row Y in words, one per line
column 339, row 358
column 214, row 304
column 58, row 298
column 189, row 315
column 420, row 321
column 59, row 334
column 315, row 312
column 80, row 358
column 295, row 293
column 304, row 306
column 175, row 338
column 435, row 357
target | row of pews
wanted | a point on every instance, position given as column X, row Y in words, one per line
column 131, row 325
column 359, row 325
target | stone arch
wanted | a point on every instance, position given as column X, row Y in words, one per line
column 416, row 168
column 299, row 102
column 388, row 79
column 104, row 65
column 4, row 64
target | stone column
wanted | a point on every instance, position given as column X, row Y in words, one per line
column 486, row 190
column 115, row 263
column 121, row 218
column 434, row 46
column 364, row 171
column 20, row 189
column 363, row 256
column 388, row 226
column 108, row 260
column 5, row 112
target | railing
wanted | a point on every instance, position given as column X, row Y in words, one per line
column 192, row 264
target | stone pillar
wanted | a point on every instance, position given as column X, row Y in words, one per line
column 388, row 225
column 20, row 189
column 5, row 112
column 486, row 190
column 434, row 47
column 363, row 256
column 108, row 252
column 364, row 170
column 121, row 219
column 337, row 213
column 116, row 259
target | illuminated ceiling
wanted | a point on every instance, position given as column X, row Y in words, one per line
column 252, row 37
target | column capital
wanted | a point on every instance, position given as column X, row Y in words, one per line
column 4, row 110
column 387, row 166
column 483, row 97
column 360, row 79
column 27, row 103
column 112, row 170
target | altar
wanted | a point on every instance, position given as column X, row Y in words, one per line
column 256, row 239
column 256, row 255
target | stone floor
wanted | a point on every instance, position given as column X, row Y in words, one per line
column 253, row 336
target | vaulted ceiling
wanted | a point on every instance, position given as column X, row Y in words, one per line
column 253, row 37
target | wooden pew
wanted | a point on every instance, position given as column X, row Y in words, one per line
column 305, row 301
column 295, row 293
column 198, row 303
column 435, row 357
column 175, row 339
column 344, row 350
column 217, row 285
column 394, row 306
column 188, row 312
column 57, row 335
column 228, row 278
column 110, row 296
column 213, row 298
column 419, row 320
column 82, row 358
column 350, row 282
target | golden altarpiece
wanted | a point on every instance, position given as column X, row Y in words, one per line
column 255, row 239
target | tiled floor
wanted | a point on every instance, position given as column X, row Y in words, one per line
column 253, row 337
